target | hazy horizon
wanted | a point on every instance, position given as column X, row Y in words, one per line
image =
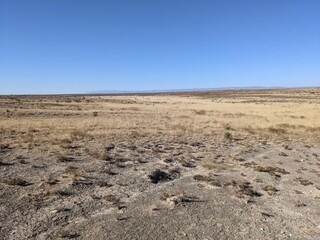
column 139, row 91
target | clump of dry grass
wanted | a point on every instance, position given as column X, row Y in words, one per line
column 303, row 181
column 202, row 178
column 246, row 190
column 112, row 199
column 179, row 127
column 65, row 159
column 211, row 164
column 178, row 198
column 65, row 143
column 200, row 112
column 244, row 187
column 249, row 130
column 71, row 169
column 4, row 146
column 271, row 170
column 79, row 134
column 51, row 181
column 98, row 154
column 277, row 130
column 54, row 192
column 5, row 163
column 67, row 234
column 300, row 204
column 16, row 182
column 209, row 180
column 103, row 184
column 270, row 189
column 166, row 196
column 228, row 135
column 76, row 177
column 28, row 138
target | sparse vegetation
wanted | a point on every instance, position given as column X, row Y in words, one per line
column 67, row 234
column 79, row 134
column 88, row 160
column 271, row 170
column 228, row 135
column 303, row 181
column 270, row 189
column 16, row 182
column 200, row 112
column 247, row 190
column 162, row 176
column 62, row 158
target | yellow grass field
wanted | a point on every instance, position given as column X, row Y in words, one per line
column 281, row 114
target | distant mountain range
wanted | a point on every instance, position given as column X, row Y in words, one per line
column 132, row 92
column 179, row 90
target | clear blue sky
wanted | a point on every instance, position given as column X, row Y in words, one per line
column 74, row 46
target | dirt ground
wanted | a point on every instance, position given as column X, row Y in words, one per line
column 211, row 165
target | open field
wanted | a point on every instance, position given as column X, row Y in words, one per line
column 211, row 165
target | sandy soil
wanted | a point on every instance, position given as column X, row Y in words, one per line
column 153, row 184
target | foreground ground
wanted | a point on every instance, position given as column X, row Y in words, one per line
column 218, row 165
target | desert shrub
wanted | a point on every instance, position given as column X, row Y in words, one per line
column 54, row 192
column 271, row 170
column 247, row 190
column 161, row 176
column 67, row 234
column 100, row 155
column 180, row 127
column 202, row 178
column 270, row 189
column 103, row 184
column 228, row 135
column 71, row 170
column 95, row 114
column 250, row 130
column 78, row 134
column 28, row 138
column 4, row 146
column 15, row 182
column 200, row 112
column 277, row 130
column 62, row 158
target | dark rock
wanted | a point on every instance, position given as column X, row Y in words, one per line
column 162, row 176
column 110, row 147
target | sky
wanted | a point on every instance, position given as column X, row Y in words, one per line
column 79, row 46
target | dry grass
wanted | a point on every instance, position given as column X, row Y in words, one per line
column 53, row 192
column 99, row 154
column 271, row 170
column 16, row 182
column 270, row 189
column 60, row 121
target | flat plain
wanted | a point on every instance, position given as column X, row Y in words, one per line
column 241, row 164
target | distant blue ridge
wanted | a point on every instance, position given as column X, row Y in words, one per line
column 179, row 90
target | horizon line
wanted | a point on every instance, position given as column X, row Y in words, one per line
column 123, row 92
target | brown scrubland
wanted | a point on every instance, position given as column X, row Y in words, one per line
column 241, row 164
